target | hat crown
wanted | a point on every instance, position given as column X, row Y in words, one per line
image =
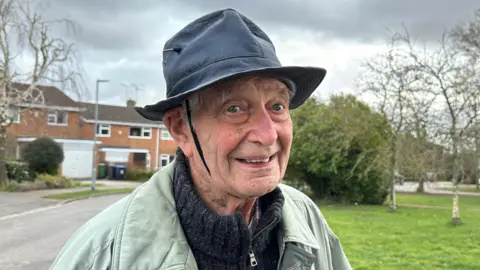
column 223, row 35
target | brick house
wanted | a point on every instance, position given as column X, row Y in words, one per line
column 128, row 138
column 123, row 136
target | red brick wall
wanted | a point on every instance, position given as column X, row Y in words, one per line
column 33, row 123
column 119, row 136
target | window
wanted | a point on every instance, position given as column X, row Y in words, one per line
column 138, row 132
column 166, row 135
column 103, row 130
column 165, row 159
column 14, row 114
column 146, row 132
column 57, row 117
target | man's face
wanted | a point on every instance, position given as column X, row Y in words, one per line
column 245, row 135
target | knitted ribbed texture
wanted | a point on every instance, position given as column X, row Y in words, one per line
column 223, row 242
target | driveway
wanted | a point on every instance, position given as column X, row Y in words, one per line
column 32, row 240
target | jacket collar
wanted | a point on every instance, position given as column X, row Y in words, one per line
column 294, row 224
column 150, row 234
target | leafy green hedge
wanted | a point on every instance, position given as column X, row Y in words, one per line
column 43, row 155
column 139, row 175
column 43, row 181
column 19, row 171
column 339, row 150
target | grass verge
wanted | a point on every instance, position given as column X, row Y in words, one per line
column 77, row 184
column 87, row 193
column 412, row 237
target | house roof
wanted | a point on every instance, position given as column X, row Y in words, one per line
column 52, row 95
column 111, row 113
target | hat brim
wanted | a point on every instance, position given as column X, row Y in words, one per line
column 306, row 80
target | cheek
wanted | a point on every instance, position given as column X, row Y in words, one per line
column 285, row 136
column 225, row 143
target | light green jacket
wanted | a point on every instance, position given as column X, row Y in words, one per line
column 143, row 231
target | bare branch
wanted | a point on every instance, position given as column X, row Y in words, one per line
column 31, row 55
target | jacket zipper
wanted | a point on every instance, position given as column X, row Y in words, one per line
column 251, row 254
column 253, row 260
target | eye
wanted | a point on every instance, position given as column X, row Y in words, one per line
column 233, row 109
column 278, row 107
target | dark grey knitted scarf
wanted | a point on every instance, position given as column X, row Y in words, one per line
column 225, row 242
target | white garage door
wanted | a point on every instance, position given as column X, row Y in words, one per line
column 78, row 160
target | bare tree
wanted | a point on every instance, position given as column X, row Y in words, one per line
column 31, row 55
column 394, row 82
column 453, row 78
column 466, row 37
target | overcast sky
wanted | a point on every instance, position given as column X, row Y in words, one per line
column 122, row 40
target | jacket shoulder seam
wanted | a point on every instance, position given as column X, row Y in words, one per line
column 97, row 252
column 308, row 204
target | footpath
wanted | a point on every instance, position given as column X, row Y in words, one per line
column 18, row 202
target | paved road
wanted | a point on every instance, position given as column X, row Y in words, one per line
column 16, row 202
column 32, row 240
column 432, row 188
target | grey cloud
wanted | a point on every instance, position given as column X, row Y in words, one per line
column 131, row 25
column 115, row 29
column 113, row 25
column 363, row 20
column 125, row 24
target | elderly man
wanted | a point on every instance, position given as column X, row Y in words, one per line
column 220, row 204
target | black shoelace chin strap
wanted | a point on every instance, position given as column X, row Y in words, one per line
column 194, row 134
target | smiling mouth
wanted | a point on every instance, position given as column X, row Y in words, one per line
column 256, row 161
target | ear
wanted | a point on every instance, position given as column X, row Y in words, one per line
column 174, row 120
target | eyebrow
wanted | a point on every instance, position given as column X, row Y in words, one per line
column 286, row 93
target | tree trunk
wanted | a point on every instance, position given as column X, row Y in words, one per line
column 3, row 169
column 393, row 166
column 477, row 157
column 455, row 208
column 421, row 185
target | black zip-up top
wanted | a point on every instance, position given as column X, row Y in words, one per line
column 226, row 242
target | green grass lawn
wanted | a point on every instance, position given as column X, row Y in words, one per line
column 87, row 193
column 411, row 238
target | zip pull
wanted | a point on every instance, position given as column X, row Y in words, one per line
column 253, row 260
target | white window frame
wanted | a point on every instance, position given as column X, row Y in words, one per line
column 165, row 135
column 103, row 127
column 14, row 112
column 164, row 157
column 142, row 133
column 147, row 129
column 54, row 114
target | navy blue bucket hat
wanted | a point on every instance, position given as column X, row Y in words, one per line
column 223, row 45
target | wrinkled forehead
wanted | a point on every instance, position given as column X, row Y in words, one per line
column 247, row 84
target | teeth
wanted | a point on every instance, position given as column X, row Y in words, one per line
column 257, row 160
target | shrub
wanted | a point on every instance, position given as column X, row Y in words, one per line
column 55, row 181
column 43, row 155
column 19, row 171
column 14, row 186
column 139, row 175
column 338, row 149
column 43, row 181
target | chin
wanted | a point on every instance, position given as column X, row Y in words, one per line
column 260, row 187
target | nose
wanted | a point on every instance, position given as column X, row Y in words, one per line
column 263, row 130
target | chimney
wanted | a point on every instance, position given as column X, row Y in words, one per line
column 131, row 103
